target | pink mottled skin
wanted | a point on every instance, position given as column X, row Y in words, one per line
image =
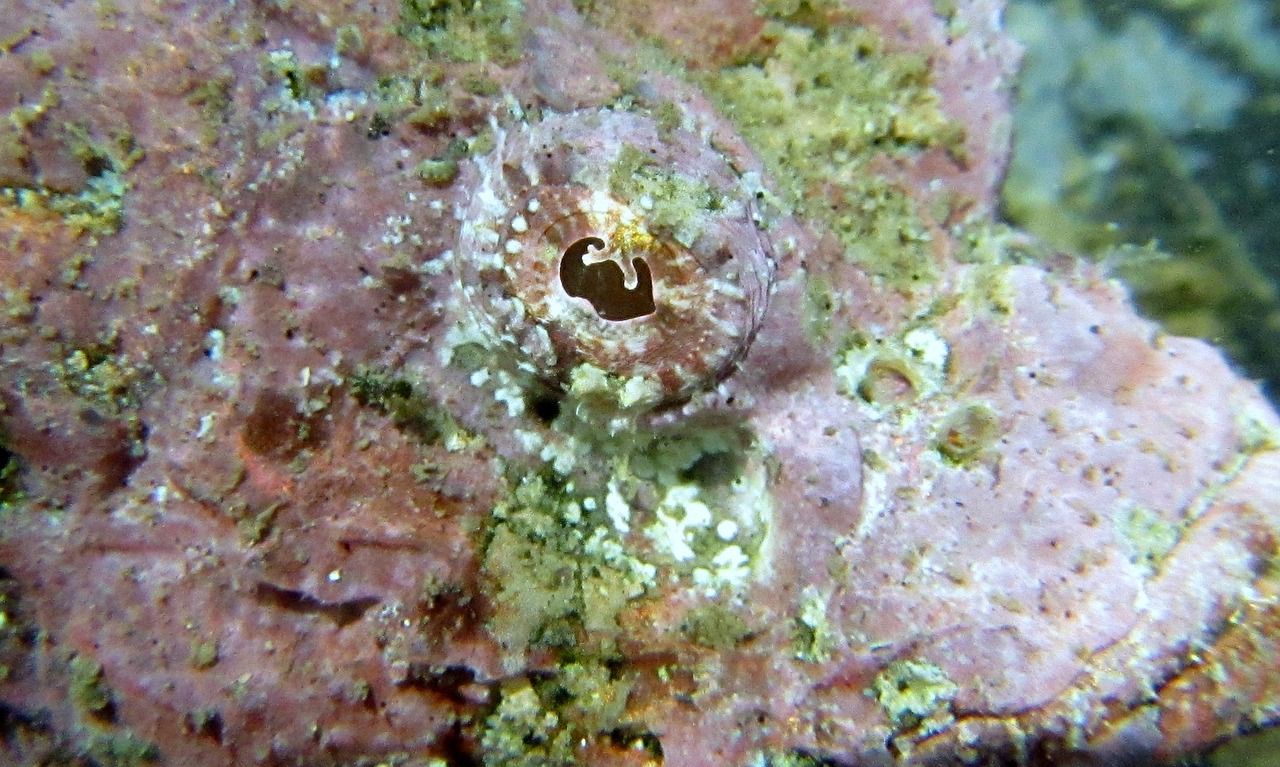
column 332, row 557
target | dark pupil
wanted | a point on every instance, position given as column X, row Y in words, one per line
column 603, row 283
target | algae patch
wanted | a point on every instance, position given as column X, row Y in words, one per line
column 1148, row 536
column 914, row 693
column 967, row 433
column 109, row 382
column 97, row 208
column 89, row 690
column 672, row 202
column 410, row 409
column 814, row 639
column 819, row 107
column 555, row 582
column 463, row 30
column 716, row 627
column 544, row 722
column 892, row 374
column 10, row 479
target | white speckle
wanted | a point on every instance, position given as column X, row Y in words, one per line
column 673, row 535
column 479, row 377
column 588, row 379
column 531, row 441
column 214, row 344
column 561, row 457
column 931, row 346
column 702, row 578
column 813, row 608
column 727, row 530
column 645, row 202
column 618, row 510
column 304, row 377
column 599, row 202
column 533, row 206
column 436, row 266
column 206, row 425
column 513, row 398
column 229, row 295
column 396, row 225
column 639, row 391
column 589, row 504
column 730, row 557
column 513, row 247
column 518, row 224
column 731, row 567
column 334, row 576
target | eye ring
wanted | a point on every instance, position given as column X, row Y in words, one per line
column 570, row 255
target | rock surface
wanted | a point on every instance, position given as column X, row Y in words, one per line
column 271, row 497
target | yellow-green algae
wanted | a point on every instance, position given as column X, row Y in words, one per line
column 110, row 382
column 203, row 652
column 819, row 108
column 560, row 554
column 967, row 433
column 97, row 209
column 1148, row 536
column 89, row 690
column 465, row 30
column 797, row 759
column 541, row 722
column 914, row 693
column 814, row 639
column 120, row 749
column 409, row 408
column 715, row 626
column 671, row 201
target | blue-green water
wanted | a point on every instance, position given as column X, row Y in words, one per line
column 1156, row 123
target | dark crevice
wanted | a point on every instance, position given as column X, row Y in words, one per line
column 456, row 684
column 604, row 284
column 342, row 613
column 545, row 407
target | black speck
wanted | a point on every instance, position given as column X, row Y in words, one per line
column 546, row 407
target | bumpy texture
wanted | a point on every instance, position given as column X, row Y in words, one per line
column 303, row 463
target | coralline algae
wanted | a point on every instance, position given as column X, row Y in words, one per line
column 589, row 383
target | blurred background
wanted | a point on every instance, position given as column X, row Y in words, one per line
column 1146, row 135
